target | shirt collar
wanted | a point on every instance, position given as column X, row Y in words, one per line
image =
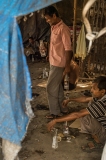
column 95, row 99
column 57, row 25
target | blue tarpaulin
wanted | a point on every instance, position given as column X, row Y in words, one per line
column 15, row 83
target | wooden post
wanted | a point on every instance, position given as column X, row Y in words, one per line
column 74, row 27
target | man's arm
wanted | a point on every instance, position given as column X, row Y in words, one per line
column 83, row 99
column 66, row 39
column 69, row 117
column 69, row 55
column 48, row 48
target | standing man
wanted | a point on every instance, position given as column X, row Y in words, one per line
column 60, row 54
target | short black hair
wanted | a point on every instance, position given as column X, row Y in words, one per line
column 101, row 81
column 50, row 10
column 31, row 38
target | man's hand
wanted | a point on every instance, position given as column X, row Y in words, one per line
column 66, row 70
column 51, row 124
column 47, row 58
column 65, row 102
column 69, row 55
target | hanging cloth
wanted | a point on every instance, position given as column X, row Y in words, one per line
column 81, row 44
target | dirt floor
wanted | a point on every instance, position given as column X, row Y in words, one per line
column 37, row 144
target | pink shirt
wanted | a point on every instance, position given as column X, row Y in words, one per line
column 60, row 42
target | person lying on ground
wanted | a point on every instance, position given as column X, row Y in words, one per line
column 93, row 118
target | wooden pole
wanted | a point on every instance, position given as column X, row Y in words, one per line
column 74, row 27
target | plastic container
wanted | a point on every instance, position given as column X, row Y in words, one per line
column 45, row 73
column 55, row 140
column 66, row 82
column 66, row 131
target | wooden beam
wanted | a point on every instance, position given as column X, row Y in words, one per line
column 74, row 27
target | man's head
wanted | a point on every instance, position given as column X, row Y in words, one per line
column 98, row 89
column 31, row 39
column 51, row 15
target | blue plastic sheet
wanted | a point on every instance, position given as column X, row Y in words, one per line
column 15, row 83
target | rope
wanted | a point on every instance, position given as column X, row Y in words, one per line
column 91, row 35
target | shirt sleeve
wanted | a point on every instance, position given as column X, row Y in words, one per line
column 66, row 38
column 96, row 109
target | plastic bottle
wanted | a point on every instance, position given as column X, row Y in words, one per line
column 32, row 58
column 55, row 140
column 66, row 82
column 66, row 131
column 45, row 73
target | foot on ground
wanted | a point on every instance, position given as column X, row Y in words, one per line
column 92, row 146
